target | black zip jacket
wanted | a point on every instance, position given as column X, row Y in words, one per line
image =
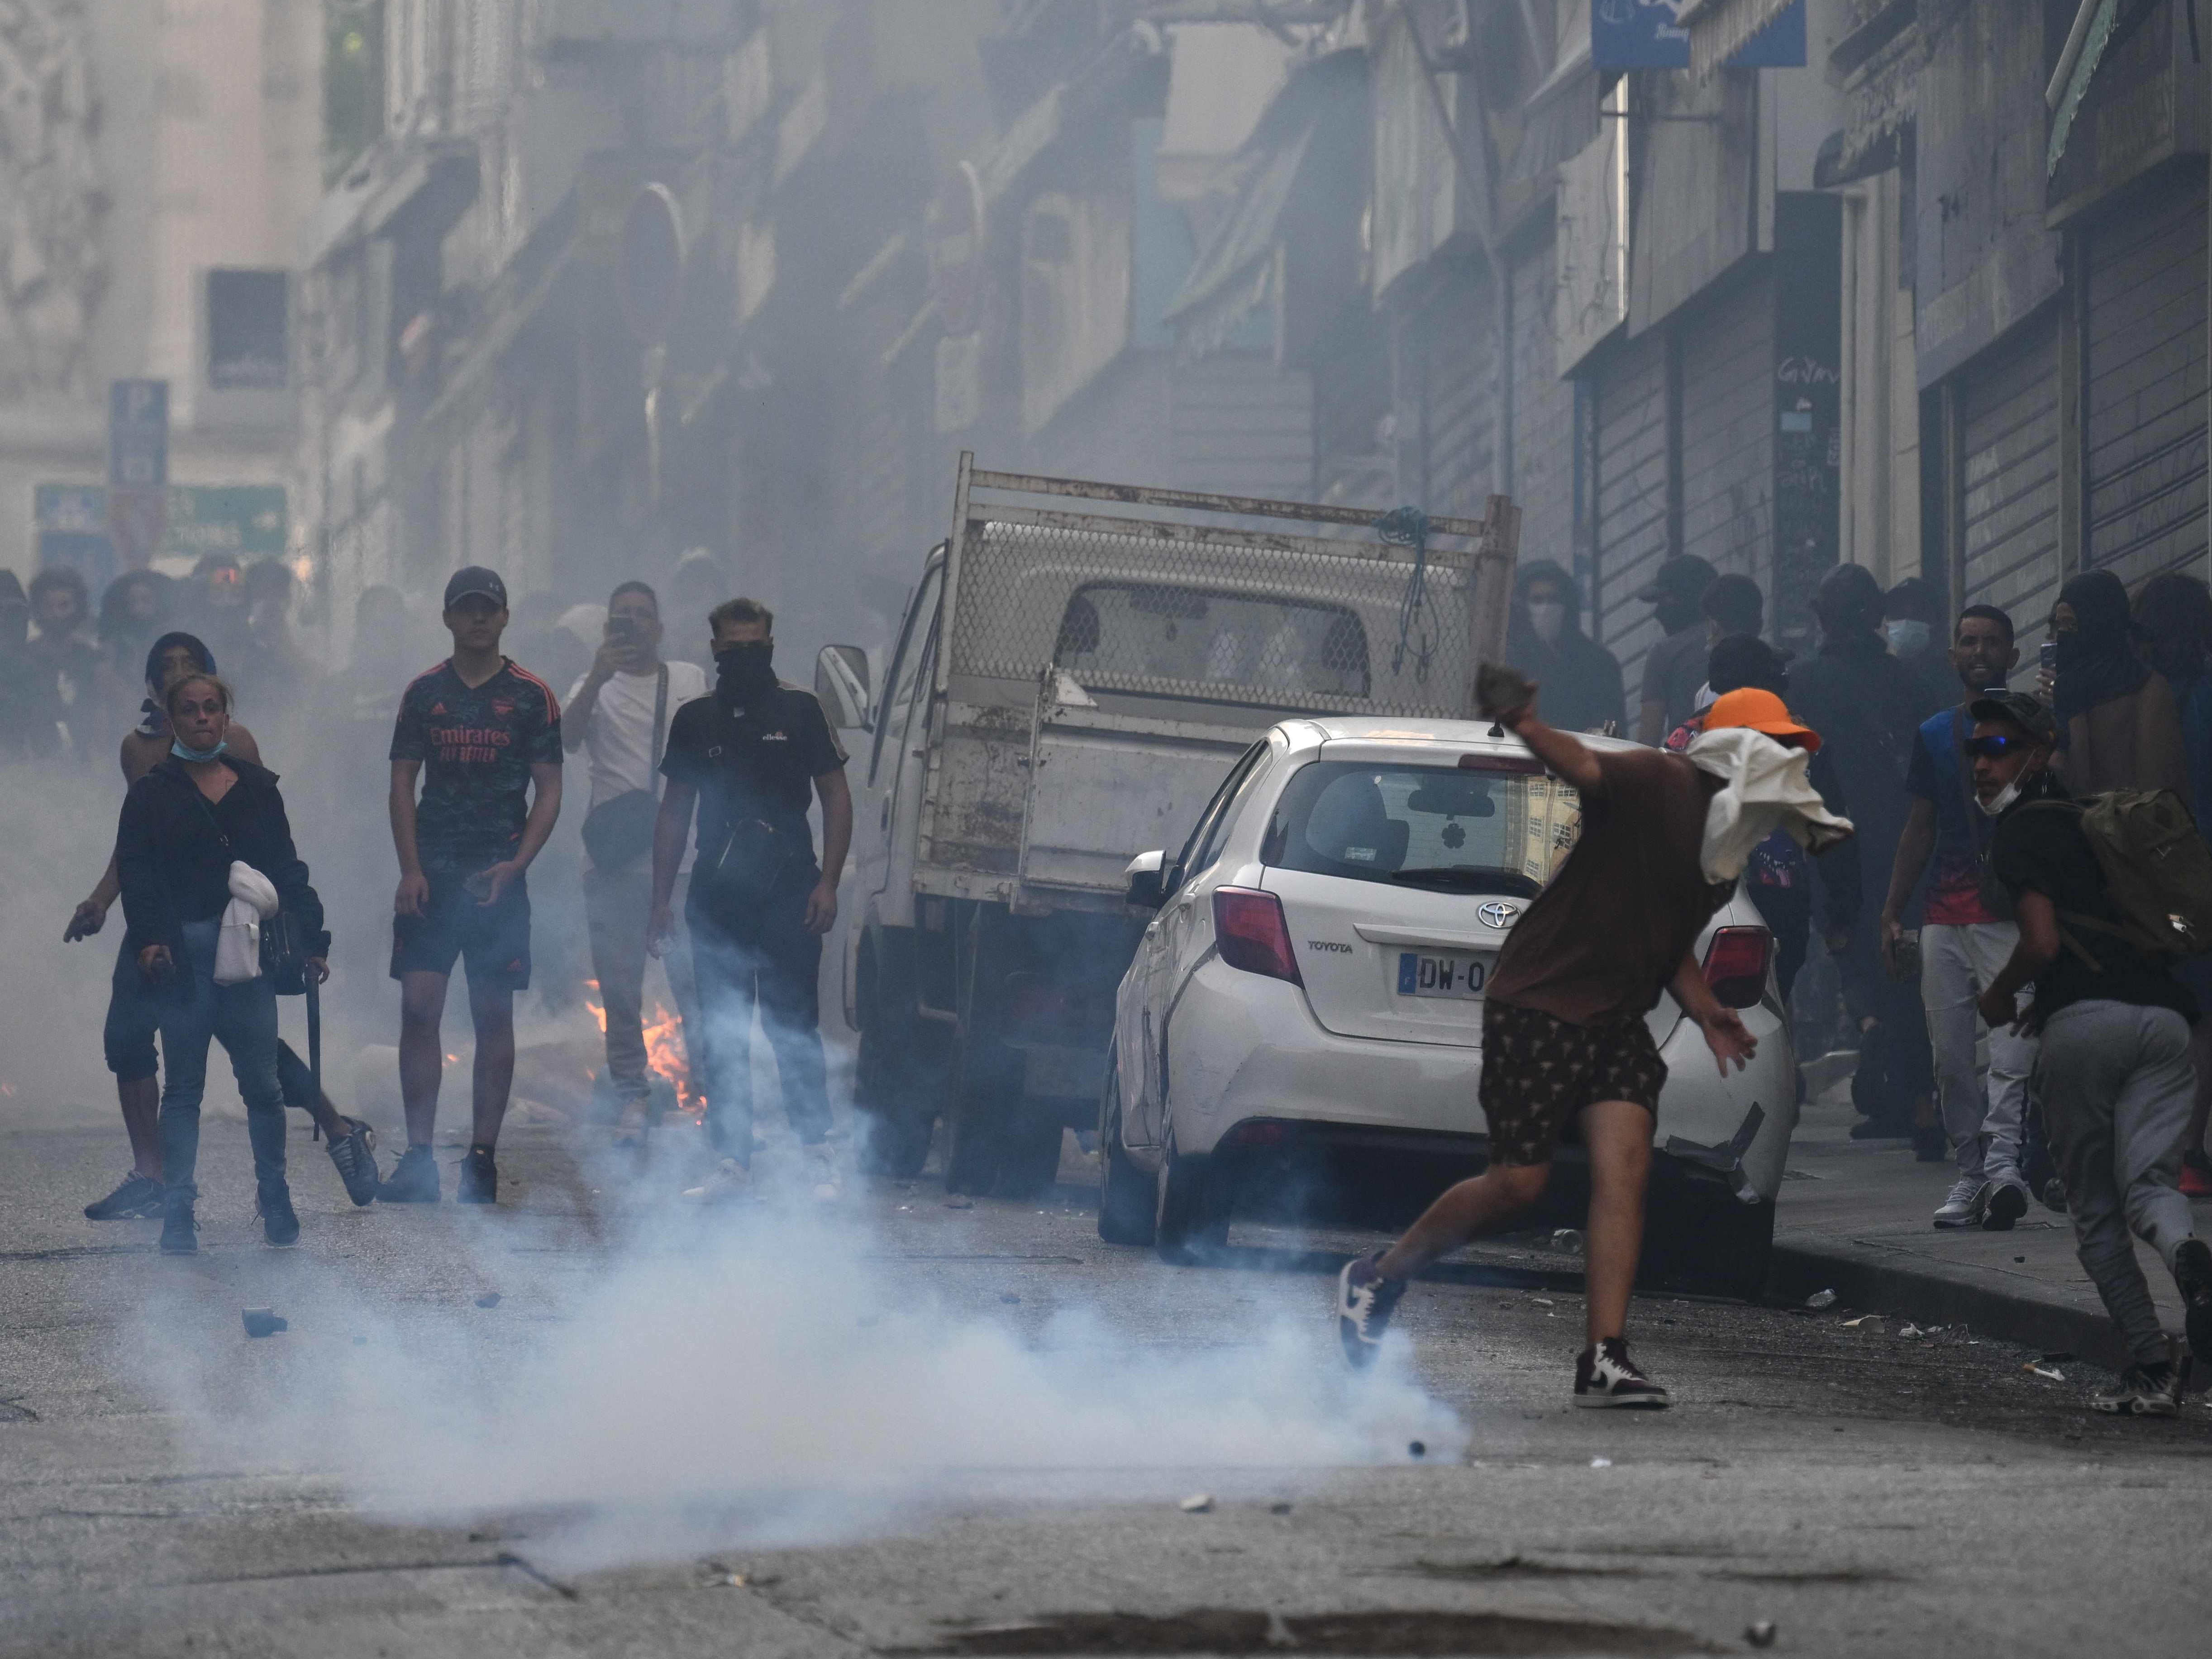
column 174, row 868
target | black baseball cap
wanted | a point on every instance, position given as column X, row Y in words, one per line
column 2019, row 709
column 1685, row 578
column 475, row 579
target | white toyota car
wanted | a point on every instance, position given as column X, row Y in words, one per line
column 1312, row 986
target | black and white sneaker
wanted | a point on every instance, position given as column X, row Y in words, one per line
column 2193, row 1277
column 355, row 1155
column 1605, row 1375
column 138, row 1199
column 413, row 1180
column 1364, row 1303
column 2144, row 1391
column 479, row 1178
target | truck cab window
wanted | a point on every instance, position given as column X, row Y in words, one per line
column 1188, row 641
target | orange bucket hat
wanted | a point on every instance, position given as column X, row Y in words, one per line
column 1761, row 711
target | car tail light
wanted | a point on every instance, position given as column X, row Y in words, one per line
column 1736, row 965
column 1250, row 929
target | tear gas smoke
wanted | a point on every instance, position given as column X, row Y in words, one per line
column 761, row 1377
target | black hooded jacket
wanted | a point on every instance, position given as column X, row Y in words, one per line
column 1580, row 680
column 174, row 868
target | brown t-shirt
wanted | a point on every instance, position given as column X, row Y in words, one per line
column 1606, row 937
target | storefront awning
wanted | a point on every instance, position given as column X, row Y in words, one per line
column 1721, row 29
column 1234, row 272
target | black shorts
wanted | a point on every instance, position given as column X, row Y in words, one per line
column 134, row 1019
column 494, row 939
column 1539, row 1072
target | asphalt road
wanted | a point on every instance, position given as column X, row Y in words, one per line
column 879, row 1423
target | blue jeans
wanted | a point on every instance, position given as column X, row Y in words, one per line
column 194, row 1008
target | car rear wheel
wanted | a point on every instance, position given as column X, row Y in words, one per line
column 1192, row 1220
column 1702, row 1238
column 894, row 1084
column 1128, row 1199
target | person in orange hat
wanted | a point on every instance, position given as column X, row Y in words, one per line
column 1565, row 1041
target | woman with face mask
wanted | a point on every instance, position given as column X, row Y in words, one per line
column 1582, row 680
column 202, row 834
column 2118, row 725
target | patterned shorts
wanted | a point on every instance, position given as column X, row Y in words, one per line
column 1538, row 1071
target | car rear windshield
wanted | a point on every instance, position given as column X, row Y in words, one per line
column 1153, row 637
column 1496, row 829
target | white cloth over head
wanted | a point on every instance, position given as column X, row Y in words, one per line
column 1765, row 789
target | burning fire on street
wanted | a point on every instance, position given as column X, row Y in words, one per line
column 663, row 1049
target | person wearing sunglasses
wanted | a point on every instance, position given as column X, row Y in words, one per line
column 1966, row 933
column 2117, row 1083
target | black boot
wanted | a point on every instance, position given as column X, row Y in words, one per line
column 278, row 1224
column 181, row 1234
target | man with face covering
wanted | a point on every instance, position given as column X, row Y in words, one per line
column 2118, row 725
column 746, row 760
column 1675, row 668
column 1544, row 641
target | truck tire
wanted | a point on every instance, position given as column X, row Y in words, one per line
column 1191, row 1221
column 1128, row 1199
column 985, row 1087
column 1029, row 1152
column 893, row 1099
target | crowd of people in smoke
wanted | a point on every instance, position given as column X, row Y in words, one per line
column 220, row 915
column 2007, row 1016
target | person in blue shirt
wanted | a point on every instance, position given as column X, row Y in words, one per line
column 1966, row 935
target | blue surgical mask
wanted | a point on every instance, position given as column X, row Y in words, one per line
column 1907, row 639
column 177, row 748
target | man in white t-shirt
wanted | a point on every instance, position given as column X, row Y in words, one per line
column 619, row 713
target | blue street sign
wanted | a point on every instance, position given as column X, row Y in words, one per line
column 1643, row 34
column 138, row 433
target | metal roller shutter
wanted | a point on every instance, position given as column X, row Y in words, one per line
column 1632, row 496
column 1543, row 414
column 1727, row 429
column 2144, row 368
column 2009, row 409
column 1458, row 335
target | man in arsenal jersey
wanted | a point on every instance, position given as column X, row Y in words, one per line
column 482, row 736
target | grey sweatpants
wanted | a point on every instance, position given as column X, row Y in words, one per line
column 2116, row 1091
column 1983, row 1121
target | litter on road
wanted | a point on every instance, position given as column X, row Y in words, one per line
column 262, row 1321
column 1760, row 1632
column 1601, row 1463
column 489, row 1299
column 1821, row 1299
column 1198, row 1503
column 2044, row 1371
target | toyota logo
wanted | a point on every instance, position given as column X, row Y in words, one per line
column 1497, row 913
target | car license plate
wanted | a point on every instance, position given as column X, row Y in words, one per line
column 1421, row 974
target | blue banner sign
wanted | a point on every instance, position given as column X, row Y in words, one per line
column 1643, row 34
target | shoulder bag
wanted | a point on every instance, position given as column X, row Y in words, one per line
column 283, row 942
column 618, row 832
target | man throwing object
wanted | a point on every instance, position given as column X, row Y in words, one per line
column 1563, row 1037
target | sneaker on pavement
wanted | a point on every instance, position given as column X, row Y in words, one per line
column 2143, row 1391
column 181, row 1234
column 1605, row 1375
column 279, row 1225
column 1364, row 1303
column 731, row 1181
column 2196, row 1176
column 479, row 1178
column 138, row 1199
column 413, row 1180
column 2054, row 1195
column 2007, row 1203
column 2193, row 1277
column 822, row 1171
column 355, row 1155
column 1969, row 1198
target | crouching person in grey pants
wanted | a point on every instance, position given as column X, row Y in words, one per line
column 2117, row 1081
